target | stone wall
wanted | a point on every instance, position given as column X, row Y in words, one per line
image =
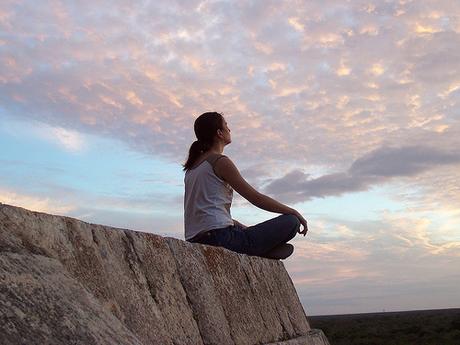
column 65, row 281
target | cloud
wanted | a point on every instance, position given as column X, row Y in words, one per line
column 122, row 210
column 402, row 161
column 297, row 186
column 384, row 260
column 135, row 74
column 374, row 168
column 70, row 140
column 30, row 202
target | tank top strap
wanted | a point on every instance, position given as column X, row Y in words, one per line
column 213, row 158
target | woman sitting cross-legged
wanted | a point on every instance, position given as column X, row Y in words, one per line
column 210, row 178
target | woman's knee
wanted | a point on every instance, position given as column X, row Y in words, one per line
column 291, row 224
column 292, row 221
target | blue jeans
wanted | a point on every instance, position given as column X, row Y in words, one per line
column 254, row 240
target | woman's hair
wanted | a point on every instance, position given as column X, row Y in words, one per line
column 206, row 126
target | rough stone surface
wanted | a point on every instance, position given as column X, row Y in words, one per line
column 42, row 304
column 313, row 337
column 67, row 281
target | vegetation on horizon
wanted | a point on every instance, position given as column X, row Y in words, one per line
column 424, row 327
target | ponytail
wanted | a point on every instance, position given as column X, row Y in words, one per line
column 206, row 126
column 196, row 149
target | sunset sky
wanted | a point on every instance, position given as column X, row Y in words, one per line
column 348, row 111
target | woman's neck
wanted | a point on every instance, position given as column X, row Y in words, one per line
column 217, row 148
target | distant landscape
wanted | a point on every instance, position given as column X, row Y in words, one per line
column 422, row 327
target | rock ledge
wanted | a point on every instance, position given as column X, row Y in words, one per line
column 66, row 281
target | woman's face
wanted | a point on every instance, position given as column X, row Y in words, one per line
column 226, row 132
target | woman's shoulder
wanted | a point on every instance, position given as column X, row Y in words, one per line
column 211, row 158
column 216, row 160
column 214, row 157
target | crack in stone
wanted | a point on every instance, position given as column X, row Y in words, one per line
column 194, row 313
column 93, row 233
column 132, row 257
column 285, row 336
column 203, row 247
column 190, row 304
column 217, row 295
column 254, row 292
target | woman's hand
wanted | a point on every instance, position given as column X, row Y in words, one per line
column 303, row 221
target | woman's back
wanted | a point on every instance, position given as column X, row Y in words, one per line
column 207, row 198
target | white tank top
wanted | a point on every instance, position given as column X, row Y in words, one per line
column 207, row 199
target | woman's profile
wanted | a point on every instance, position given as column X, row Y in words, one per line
column 210, row 178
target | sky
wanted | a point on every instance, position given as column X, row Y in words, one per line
column 348, row 111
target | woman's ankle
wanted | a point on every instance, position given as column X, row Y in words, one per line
column 279, row 252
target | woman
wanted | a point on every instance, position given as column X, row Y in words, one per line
column 210, row 178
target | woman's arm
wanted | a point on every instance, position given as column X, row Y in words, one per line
column 228, row 171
